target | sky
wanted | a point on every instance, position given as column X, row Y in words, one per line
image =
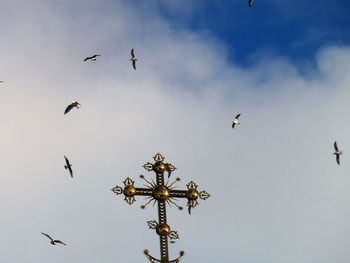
column 277, row 194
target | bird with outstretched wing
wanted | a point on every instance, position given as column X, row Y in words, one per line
column 93, row 58
column 133, row 59
column 337, row 153
column 68, row 166
column 236, row 121
column 53, row 241
column 71, row 106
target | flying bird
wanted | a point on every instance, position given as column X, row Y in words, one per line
column 236, row 121
column 71, row 106
column 68, row 166
column 337, row 153
column 133, row 59
column 1, row 82
column 93, row 58
column 53, row 241
column 250, row 3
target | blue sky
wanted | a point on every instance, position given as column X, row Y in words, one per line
column 277, row 193
column 292, row 29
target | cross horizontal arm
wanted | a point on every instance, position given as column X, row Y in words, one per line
column 143, row 191
column 178, row 193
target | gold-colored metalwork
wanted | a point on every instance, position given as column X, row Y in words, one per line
column 163, row 193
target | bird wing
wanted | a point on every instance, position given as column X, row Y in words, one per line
column 338, row 159
column 87, row 58
column 132, row 53
column 60, row 242
column 70, row 171
column 336, row 146
column 67, row 161
column 70, row 106
column 250, row 3
column 76, row 104
column 134, row 64
column 189, row 209
column 237, row 116
column 68, row 166
column 233, row 125
column 47, row 236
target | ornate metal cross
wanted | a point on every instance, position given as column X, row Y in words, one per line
column 163, row 193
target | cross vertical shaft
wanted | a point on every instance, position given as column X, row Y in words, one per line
column 163, row 239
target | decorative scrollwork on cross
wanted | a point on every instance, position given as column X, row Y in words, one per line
column 129, row 190
column 204, row 195
column 148, row 166
column 158, row 157
column 163, row 229
column 152, row 224
column 154, row 260
column 117, row 190
column 191, row 185
column 173, row 235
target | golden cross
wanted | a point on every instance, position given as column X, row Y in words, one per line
column 163, row 193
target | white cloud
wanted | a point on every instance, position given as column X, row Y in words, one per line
column 277, row 193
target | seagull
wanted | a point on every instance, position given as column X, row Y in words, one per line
column 53, row 242
column 250, row 3
column 93, row 58
column 337, row 153
column 68, row 166
column 235, row 121
column 71, row 106
column 133, row 59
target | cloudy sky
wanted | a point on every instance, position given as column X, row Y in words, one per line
column 277, row 193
